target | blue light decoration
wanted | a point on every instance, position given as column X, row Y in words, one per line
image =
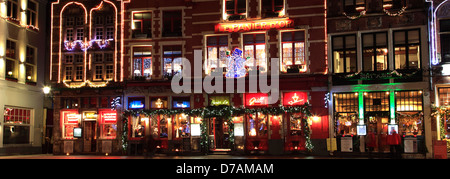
column 236, row 67
column 136, row 104
column 181, row 104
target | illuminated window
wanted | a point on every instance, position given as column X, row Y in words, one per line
column 344, row 54
column 255, row 52
column 10, row 49
column 142, row 25
column 407, row 49
column 272, row 8
column 32, row 13
column 235, row 9
column 295, row 124
column 108, row 124
column 393, row 4
column 375, row 52
column 353, row 6
column 409, row 105
column 346, row 108
column 158, row 103
column 181, row 126
column 70, row 120
column 172, row 24
column 159, row 126
column 257, row 125
column 444, row 96
column 376, row 101
column 217, row 47
column 16, row 128
column 30, row 64
column 293, row 46
column 12, row 9
column 142, row 61
column 138, row 125
column 172, row 60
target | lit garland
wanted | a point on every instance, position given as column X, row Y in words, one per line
column 443, row 112
column 227, row 112
column 362, row 13
column 398, row 13
column 89, row 83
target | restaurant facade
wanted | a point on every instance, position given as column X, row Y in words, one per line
column 112, row 70
column 379, row 78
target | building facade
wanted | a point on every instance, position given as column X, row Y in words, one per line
column 439, row 55
column 379, row 68
column 129, row 51
column 22, row 58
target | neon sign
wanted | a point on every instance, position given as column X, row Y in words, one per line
column 258, row 99
column 138, row 104
column 254, row 26
column 109, row 116
column 295, row 98
column 181, row 104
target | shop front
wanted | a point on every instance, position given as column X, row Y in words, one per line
column 364, row 121
column 219, row 127
column 257, row 130
column 89, row 131
column 295, row 134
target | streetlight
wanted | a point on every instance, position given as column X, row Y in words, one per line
column 46, row 89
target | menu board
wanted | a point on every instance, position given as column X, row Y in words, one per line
column 195, row 130
column 239, row 129
column 346, row 144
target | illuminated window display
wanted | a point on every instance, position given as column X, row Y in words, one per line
column 257, row 125
column 217, row 47
column 108, row 124
column 16, row 129
column 346, row 108
column 409, row 106
column 375, row 51
column 70, row 120
column 172, row 60
column 255, row 52
column 159, row 126
column 293, row 46
column 137, row 126
column 142, row 62
column 181, row 126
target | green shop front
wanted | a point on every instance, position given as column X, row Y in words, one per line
column 363, row 120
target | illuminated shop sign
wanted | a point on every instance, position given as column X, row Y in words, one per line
column 295, row 98
column 219, row 100
column 256, row 99
column 108, row 116
column 254, row 26
column 136, row 103
column 72, row 117
column 181, row 104
column 158, row 103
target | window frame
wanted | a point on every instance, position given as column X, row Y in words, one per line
column 254, row 44
column 218, row 46
column 293, row 42
column 345, row 50
column 172, row 57
column 235, row 8
column 406, row 46
column 11, row 45
column 141, row 29
column 172, row 19
column 23, row 113
column 30, row 62
column 98, row 72
column 11, row 6
column 374, row 47
column 32, row 13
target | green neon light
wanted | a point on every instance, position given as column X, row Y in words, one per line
column 361, row 105
column 392, row 104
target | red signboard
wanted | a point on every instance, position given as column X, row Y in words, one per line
column 254, row 25
column 295, row 98
column 71, row 116
column 108, row 116
column 256, row 99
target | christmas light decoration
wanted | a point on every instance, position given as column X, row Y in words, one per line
column 236, row 67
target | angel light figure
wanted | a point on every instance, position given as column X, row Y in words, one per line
column 236, row 65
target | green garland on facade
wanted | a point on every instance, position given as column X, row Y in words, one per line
column 125, row 134
column 227, row 113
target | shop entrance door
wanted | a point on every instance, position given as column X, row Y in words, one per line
column 378, row 126
column 90, row 137
column 221, row 133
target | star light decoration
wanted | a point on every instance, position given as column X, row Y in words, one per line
column 236, row 67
